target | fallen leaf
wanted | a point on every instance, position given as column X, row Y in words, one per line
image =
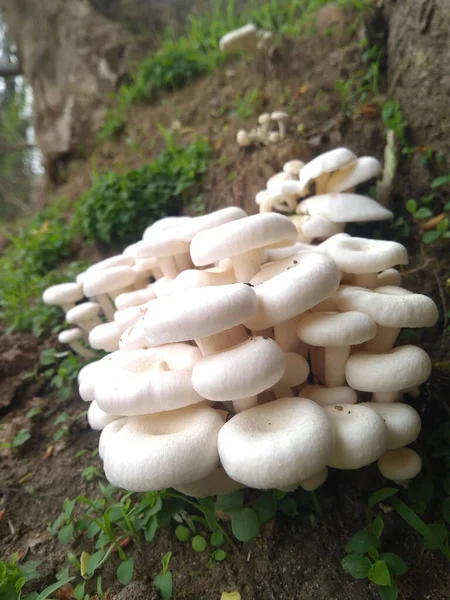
column 230, row 596
column 370, row 111
column 2, row 513
column 48, row 453
column 123, row 543
column 432, row 223
column 65, row 592
column 25, row 478
column 303, row 89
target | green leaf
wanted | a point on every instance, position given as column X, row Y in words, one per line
column 447, row 206
column 440, row 181
column 379, row 573
column 165, row 561
column 436, row 536
column 411, row 206
column 199, row 543
column 209, row 511
column 446, row 509
column 20, row 438
column 381, row 495
column 395, row 563
column 288, row 506
column 373, row 553
column 219, row 555
column 33, row 412
column 428, row 237
column 388, row 592
column 52, row 588
column 266, row 507
column 183, row 533
column 423, row 213
column 163, row 583
column 228, row 502
column 65, row 533
column 125, row 571
column 78, row 592
column 361, row 542
column 151, row 528
column 217, row 538
column 245, row 524
column 94, row 562
column 62, row 418
column 442, row 226
column 377, row 527
column 421, row 490
column 357, row 565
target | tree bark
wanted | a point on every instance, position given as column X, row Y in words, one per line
column 419, row 68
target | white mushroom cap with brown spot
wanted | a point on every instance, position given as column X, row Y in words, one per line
column 389, row 306
column 283, row 442
column 361, row 436
column 398, row 369
column 344, row 208
column 312, row 279
column 198, row 313
column 402, row 422
column 336, row 329
column 241, row 371
column 164, row 450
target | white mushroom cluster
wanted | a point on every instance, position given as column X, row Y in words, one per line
column 265, row 133
column 250, row 359
column 321, row 193
column 248, row 39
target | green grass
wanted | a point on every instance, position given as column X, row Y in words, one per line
column 184, row 57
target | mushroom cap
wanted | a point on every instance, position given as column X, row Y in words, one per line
column 361, row 436
column 239, row 40
column 329, row 396
column 130, row 250
column 296, row 371
column 63, row 293
column 148, row 381
column 315, row 481
column 402, row 422
column 401, row 464
column 280, row 253
column 241, row 371
column 105, row 337
column 336, row 329
column 363, row 169
column 274, row 181
column 113, row 261
column 243, row 139
column 217, row 482
column 398, row 369
column 87, row 377
column 231, row 239
column 97, row 418
column 344, row 208
column 70, row 335
column 293, row 167
column 164, row 242
column 165, row 223
column 264, row 118
column 361, row 255
column 198, row 313
column 389, row 277
column 389, row 306
column 279, row 115
column 320, row 227
column 134, row 298
column 307, row 281
column 82, row 312
column 86, row 371
column 326, row 163
column 108, row 280
column 128, row 316
column 194, row 278
column 277, row 444
column 218, row 217
column 163, row 450
column 134, row 338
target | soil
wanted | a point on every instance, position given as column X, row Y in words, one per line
column 294, row 558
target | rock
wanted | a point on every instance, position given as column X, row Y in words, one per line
column 137, row 590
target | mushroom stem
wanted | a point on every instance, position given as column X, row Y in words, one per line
column 222, row 341
column 114, row 293
column 157, row 272
column 246, row 265
column 183, row 261
column 106, row 306
column 385, row 396
column 67, row 307
column 89, row 324
column 245, row 403
column 328, row 364
column 81, row 350
column 264, row 333
column 286, row 337
column 321, row 184
column 282, row 129
column 384, row 339
column 364, row 280
column 140, row 284
column 281, row 391
column 168, row 266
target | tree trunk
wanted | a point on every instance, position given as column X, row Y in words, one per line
column 419, row 68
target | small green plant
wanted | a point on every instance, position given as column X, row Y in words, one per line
column 119, row 207
column 248, row 104
column 439, row 223
column 393, row 120
column 61, row 370
column 163, row 581
column 15, row 576
column 22, row 436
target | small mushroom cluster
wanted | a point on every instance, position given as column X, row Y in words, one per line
column 264, row 134
column 252, row 359
column 321, row 193
column 247, row 39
